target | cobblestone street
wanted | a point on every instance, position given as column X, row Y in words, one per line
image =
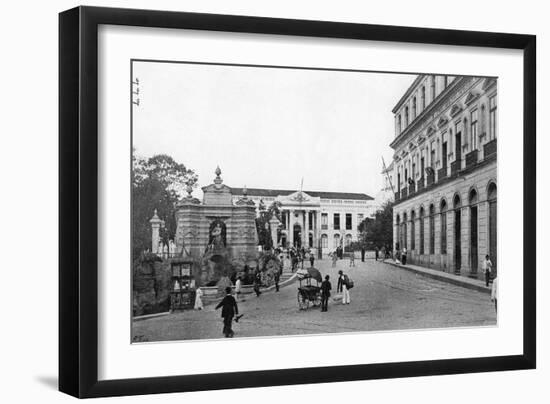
column 384, row 298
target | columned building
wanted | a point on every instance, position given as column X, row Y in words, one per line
column 445, row 173
column 314, row 219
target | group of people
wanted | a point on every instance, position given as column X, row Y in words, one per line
column 343, row 286
column 297, row 257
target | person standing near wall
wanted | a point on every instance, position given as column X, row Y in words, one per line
column 487, row 268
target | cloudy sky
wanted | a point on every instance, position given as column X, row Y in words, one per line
column 269, row 127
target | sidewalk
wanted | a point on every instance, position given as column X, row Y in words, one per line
column 463, row 281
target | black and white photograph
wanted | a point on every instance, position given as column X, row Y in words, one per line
column 273, row 201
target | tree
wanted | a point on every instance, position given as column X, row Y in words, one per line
column 262, row 222
column 157, row 183
column 378, row 231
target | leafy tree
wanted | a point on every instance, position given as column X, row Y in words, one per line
column 262, row 222
column 158, row 183
column 378, row 231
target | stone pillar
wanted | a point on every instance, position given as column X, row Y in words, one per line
column 273, row 225
column 306, row 230
column 290, row 228
column 156, row 224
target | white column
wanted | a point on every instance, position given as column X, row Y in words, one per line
column 290, row 229
column 155, row 236
column 306, row 235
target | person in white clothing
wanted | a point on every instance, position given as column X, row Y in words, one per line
column 198, row 299
column 487, row 268
column 238, row 288
column 343, row 287
column 494, row 292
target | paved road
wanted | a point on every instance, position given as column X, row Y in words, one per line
column 384, row 298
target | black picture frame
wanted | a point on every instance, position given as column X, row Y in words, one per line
column 78, row 196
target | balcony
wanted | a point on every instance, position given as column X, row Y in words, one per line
column 396, row 196
column 430, row 178
column 324, row 227
column 412, row 188
column 471, row 158
column 490, row 148
column 420, row 184
column 404, row 193
column 442, row 173
column 455, row 167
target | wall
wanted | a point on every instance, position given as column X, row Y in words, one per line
column 29, row 156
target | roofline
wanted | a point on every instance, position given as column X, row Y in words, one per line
column 344, row 195
column 418, row 79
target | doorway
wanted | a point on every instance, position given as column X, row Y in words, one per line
column 297, row 236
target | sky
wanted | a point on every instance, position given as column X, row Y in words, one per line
column 269, row 127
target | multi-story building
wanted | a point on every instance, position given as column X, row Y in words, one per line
column 445, row 171
column 314, row 219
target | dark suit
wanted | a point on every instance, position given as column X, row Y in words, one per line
column 229, row 310
column 325, row 294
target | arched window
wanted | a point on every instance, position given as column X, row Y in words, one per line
column 348, row 240
column 397, row 232
column 414, row 108
column 324, row 241
column 405, row 230
column 406, row 116
column 432, row 229
column 423, row 98
column 443, row 212
column 413, row 234
column 421, row 216
column 492, row 199
column 474, row 256
column 399, row 125
column 457, row 250
column 336, row 240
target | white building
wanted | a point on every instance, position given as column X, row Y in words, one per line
column 315, row 219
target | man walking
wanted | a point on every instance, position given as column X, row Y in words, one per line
column 229, row 310
column 362, row 253
column 311, row 259
column 376, row 252
column 325, row 293
column 342, row 286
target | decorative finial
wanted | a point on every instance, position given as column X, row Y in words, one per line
column 189, row 188
column 218, row 180
column 245, row 192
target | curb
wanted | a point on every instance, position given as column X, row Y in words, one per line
column 148, row 316
column 444, row 278
column 282, row 284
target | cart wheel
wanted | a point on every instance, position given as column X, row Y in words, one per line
column 303, row 302
column 317, row 301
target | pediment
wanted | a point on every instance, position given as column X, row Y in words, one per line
column 456, row 109
column 430, row 131
column 471, row 97
column 488, row 83
column 216, row 188
column 442, row 122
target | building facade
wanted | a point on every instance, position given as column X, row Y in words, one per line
column 445, row 173
column 314, row 219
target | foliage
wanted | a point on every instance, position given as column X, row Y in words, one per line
column 158, row 183
column 262, row 222
column 378, row 231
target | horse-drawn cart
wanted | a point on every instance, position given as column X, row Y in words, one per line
column 308, row 292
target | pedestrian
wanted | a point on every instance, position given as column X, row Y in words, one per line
column 238, row 287
column 352, row 259
column 362, row 253
column 276, row 277
column 325, row 293
column 257, row 283
column 404, row 256
column 342, row 287
column 494, row 292
column 311, row 259
column 334, row 257
column 198, row 299
column 487, row 268
column 376, row 252
column 229, row 310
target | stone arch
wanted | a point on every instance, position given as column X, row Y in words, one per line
column 473, row 195
column 457, row 202
column 442, row 205
column 491, row 190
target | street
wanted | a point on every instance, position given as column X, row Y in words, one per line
column 384, row 298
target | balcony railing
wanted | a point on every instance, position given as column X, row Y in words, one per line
column 412, row 188
column 455, row 167
column 396, row 196
column 404, row 193
column 442, row 173
column 420, row 184
column 324, row 227
column 471, row 158
column 490, row 148
column 430, row 178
